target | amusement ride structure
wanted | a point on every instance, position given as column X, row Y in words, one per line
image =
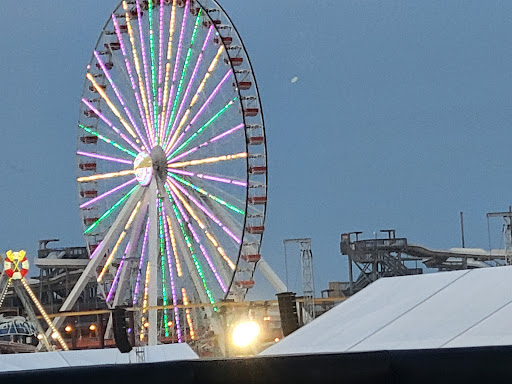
column 172, row 168
column 16, row 266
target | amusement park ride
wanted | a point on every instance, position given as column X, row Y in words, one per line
column 16, row 268
column 172, row 167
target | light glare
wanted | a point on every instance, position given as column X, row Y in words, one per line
column 245, row 334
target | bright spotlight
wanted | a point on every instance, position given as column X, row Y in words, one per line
column 39, row 337
column 92, row 327
column 68, row 328
column 245, row 333
column 54, row 335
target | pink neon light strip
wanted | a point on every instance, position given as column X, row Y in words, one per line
column 228, row 132
column 90, row 202
column 95, row 252
column 203, row 107
column 224, row 134
column 119, row 97
column 141, row 263
column 118, row 33
column 160, row 50
column 198, row 241
column 118, row 273
column 208, row 177
column 144, row 63
column 206, row 211
column 178, row 55
column 103, row 157
column 130, row 74
column 171, row 274
column 194, row 73
column 109, row 123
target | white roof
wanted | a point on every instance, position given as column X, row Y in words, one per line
column 59, row 359
column 439, row 310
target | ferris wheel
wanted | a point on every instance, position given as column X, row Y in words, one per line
column 172, row 172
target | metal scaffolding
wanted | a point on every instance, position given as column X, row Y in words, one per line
column 308, row 281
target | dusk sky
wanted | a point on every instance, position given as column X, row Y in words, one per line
column 399, row 118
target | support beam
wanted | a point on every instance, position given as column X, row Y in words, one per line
column 153, row 258
column 271, row 276
column 90, row 271
column 27, row 304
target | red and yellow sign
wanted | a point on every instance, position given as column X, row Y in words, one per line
column 16, row 264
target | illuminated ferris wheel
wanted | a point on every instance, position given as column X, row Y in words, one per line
column 172, row 164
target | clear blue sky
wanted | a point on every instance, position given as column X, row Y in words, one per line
column 400, row 118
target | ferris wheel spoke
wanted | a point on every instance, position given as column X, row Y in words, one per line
column 137, row 134
column 105, row 176
column 141, row 262
column 174, row 250
column 104, row 157
column 206, row 143
column 120, row 269
column 208, row 160
column 175, row 71
column 109, row 123
column 107, row 140
column 172, row 23
column 139, row 73
column 132, row 81
column 187, row 313
column 204, row 176
column 197, row 264
column 197, row 278
column 171, row 183
column 110, row 210
column 162, row 264
column 153, row 65
column 160, row 53
column 165, row 230
column 144, row 63
column 192, row 78
column 108, row 193
column 200, row 130
column 178, row 196
column 198, row 242
column 170, row 146
column 207, row 194
column 111, row 105
column 145, row 301
column 119, row 241
column 121, row 280
column 185, row 67
column 199, row 90
column 166, row 116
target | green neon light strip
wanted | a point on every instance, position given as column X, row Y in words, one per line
column 202, row 191
column 112, row 209
column 185, row 66
column 200, row 130
column 107, row 140
column 162, row 265
column 153, row 74
column 191, row 249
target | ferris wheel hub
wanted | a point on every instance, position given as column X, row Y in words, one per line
column 159, row 160
column 148, row 165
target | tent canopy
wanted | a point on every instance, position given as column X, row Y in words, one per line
column 440, row 310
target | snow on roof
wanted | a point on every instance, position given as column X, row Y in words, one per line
column 439, row 310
